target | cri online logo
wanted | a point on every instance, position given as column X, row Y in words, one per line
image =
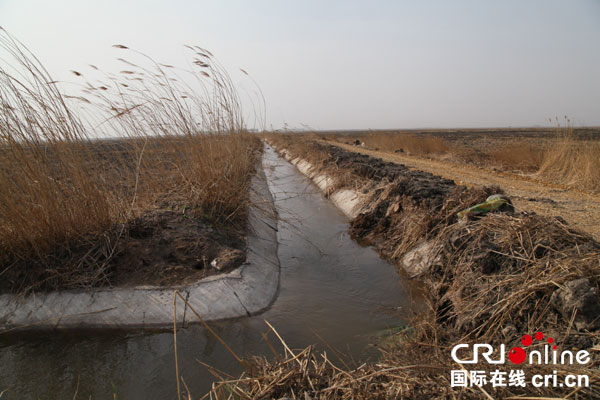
column 518, row 355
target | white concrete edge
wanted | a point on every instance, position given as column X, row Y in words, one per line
column 415, row 262
column 347, row 200
column 247, row 290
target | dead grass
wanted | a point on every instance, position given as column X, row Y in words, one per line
column 304, row 374
column 561, row 156
column 411, row 144
column 67, row 197
column 299, row 145
column 572, row 161
column 515, row 156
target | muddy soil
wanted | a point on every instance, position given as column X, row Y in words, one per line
column 167, row 248
column 160, row 248
column 418, row 186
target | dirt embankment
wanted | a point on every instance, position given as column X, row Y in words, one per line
column 160, row 248
column 580, row 208
column 489, row 279
column 417, row 211
column 169, row 248
column 420, row 186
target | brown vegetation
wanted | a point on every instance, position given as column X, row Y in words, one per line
column 68, row 198
column 563, row 155
column 407, row 143
column 572, row 161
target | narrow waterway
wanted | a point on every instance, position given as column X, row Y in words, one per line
column 331, row 289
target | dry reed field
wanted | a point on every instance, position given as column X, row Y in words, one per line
column 491, row 279
column 169, row 187
column 564, row 154
column 573, row 161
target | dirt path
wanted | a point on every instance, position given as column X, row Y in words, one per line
column 579, row 208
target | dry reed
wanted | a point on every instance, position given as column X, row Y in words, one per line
column 572, row 161
column 411, row 144
column 179, row 142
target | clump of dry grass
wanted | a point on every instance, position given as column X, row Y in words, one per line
column 525, row 156
column 412, row 144
column 51, row 193
column 502, row 271
column 306, row 374
column 67, row 197
column 572, row 161
column 203, row 153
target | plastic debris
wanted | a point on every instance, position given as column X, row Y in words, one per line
column 496, row 202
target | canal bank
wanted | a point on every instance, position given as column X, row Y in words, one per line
column 490, row 276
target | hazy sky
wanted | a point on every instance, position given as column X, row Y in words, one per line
column 352, row 64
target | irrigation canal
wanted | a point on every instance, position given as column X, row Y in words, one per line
column 331, row 289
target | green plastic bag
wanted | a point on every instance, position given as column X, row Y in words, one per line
column 496, row 202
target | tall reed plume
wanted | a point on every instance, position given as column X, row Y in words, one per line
column 178, row 140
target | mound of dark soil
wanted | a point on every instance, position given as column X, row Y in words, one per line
column 172, row 248
column 163, row 247
column 417, row 184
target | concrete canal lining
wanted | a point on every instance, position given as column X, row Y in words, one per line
column 347, row 200
column 352, row 203
column 247, row 290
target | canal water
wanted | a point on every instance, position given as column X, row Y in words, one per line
column 331, row 290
